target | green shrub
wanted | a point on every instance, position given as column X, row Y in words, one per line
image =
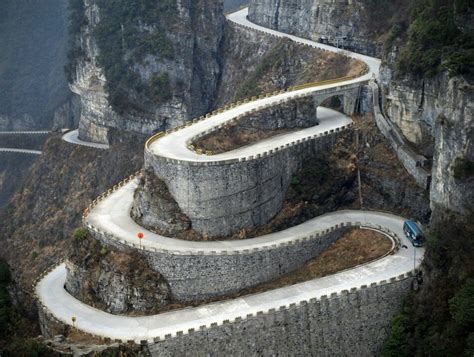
column 5, row 303
column 160, row 88
column 5, row 276
column 463, row 168
column 397, row 343
column 28, row 348
column 439, row 319
column 435, row 43
column 80, row 234
column 34, row 255
column 251, row 86
column 295, row 181
column 123, row 40
column 462, row 306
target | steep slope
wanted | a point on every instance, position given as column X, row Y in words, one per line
column 358, row 25
column 42, row 216
column 429, row 94
column 38, row 222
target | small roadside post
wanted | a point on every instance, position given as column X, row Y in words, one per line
column 140, row 237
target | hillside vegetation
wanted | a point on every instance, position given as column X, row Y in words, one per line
column 438, row 320
column 128, row 32
column 440, row 37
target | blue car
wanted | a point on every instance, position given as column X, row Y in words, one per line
column 413, row 233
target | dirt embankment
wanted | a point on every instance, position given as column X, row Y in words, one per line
column 255, row 63
column 285, row 64
column 114, row 281
column 356, row 247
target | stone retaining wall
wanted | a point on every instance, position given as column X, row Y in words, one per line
column 49, row 325
column 221, row 198
column 351, row 323
column 354, row 322
column 200, row 275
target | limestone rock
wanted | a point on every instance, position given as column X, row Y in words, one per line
column 156, row 209
column 344, row 23
column 193, row 74
column 437, row 116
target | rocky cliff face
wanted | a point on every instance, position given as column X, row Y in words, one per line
column 162, row 78
column 434, row 114
column 154, row 208
column 38, row 222
column 117, row 282
column 345, row 23
column 255, row 63
column 437, row 116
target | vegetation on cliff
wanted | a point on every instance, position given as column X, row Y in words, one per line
column 438, row 39
column 438, row 320
column 463, row 168
column 318, row 66
column 38, row 222
column 128, row 31
column 13, row 324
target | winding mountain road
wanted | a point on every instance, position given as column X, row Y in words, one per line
column 175, row 144
column 112, row 216
column 21, row 151
column 53, row 295
column 24, row 132
column 72, row 137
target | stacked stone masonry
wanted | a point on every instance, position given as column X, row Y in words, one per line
column 200, row 276
column 347, row 324
column 223, row 197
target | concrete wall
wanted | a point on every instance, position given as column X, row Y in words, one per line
column 221, row 198
column 200, row 275
column 349, row 324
